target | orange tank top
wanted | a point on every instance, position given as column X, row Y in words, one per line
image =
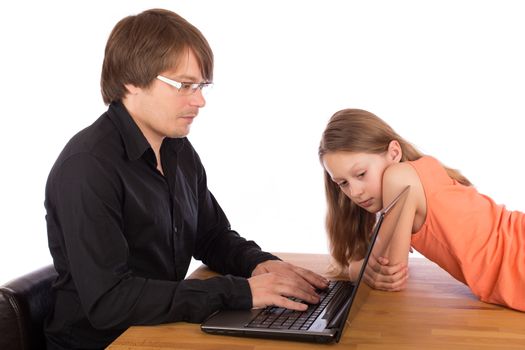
column 477, row 241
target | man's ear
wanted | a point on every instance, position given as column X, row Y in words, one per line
column 132, row 89
column 394, row 153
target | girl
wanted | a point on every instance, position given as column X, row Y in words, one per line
column 367, row 164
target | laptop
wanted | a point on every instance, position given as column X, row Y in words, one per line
column 323, row 322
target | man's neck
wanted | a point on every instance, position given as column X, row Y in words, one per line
column 154, row 140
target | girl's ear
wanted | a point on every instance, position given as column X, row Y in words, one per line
column 394, row 153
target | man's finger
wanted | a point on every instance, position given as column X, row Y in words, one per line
column 311, row 277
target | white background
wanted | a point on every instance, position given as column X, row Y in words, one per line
column 447, row 75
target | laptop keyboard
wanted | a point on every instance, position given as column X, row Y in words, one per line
column 274, row 317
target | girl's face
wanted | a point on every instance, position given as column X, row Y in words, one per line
column 359, row 176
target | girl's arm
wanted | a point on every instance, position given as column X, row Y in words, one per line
column 353, row 269
column 396, row 178
column 388, row 266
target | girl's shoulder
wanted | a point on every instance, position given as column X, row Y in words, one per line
column 400, row 175
column 397, row 177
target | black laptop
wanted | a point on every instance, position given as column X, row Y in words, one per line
column 323, row 322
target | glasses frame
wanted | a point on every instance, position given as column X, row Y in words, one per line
column 184, row 87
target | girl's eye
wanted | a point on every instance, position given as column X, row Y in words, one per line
column 361, row 175
column 342, row 184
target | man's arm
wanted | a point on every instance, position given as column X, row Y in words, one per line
column 86, row 235
column 223, row 250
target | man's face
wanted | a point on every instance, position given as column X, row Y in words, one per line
column 161, row 110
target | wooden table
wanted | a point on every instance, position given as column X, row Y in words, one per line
column 434, row 312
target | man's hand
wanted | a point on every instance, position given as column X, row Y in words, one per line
column 273, row 281
column 379, row 274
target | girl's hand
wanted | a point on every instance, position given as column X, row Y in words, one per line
column 379, row 274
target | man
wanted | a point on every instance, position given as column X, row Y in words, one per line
column 128, row 205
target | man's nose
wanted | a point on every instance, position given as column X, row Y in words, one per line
column 197, row 99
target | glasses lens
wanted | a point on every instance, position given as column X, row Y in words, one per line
column 206, row 88
column 191, row 88
column 187, row 88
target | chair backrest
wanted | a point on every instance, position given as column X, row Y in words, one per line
column 24, row 304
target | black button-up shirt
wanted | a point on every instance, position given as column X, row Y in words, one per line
column 122, row 236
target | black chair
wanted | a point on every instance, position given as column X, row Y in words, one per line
column 24, row 304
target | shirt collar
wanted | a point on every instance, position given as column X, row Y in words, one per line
column 134, row 141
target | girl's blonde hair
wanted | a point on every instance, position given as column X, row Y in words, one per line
column 348, row 225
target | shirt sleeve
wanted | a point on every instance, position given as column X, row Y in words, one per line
column 85, row 216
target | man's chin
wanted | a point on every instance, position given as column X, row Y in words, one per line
column 181, row 133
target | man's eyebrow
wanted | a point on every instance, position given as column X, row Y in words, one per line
column 188, row 78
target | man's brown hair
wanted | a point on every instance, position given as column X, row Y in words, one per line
column 142, row 46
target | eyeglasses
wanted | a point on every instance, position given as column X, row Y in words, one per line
column 186, row 88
